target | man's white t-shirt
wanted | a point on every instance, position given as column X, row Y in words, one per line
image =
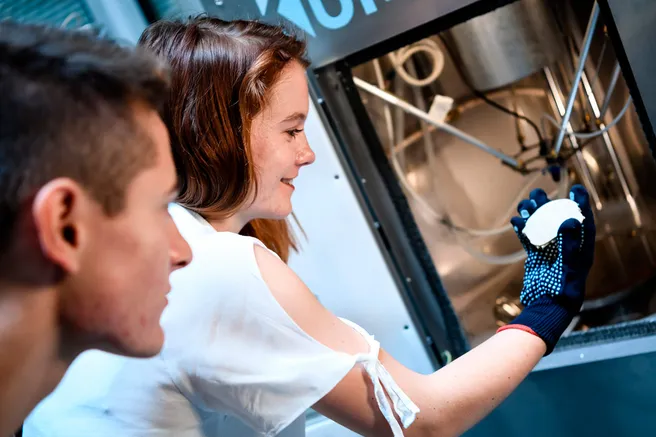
column 233, row 363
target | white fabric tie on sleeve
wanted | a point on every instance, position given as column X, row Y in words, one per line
column 380, row 377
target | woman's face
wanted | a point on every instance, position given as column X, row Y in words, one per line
column 279, row 145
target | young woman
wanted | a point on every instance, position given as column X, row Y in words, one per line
column 248, row 348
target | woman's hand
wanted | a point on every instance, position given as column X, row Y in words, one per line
column 555, row 276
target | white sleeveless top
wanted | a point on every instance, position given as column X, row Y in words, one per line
column 234, row 364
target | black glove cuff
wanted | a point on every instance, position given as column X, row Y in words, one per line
column 547, row 319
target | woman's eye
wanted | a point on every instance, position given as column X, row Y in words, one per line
column 292, row 133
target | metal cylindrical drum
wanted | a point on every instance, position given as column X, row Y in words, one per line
column 507, row 44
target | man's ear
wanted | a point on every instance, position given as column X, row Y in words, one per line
column 61, row 209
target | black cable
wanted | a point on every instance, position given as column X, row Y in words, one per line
column 502, row 108
column 559, row 161
column 481, row 95
column 526, row 149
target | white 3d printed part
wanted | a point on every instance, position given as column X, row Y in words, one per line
column 542, row 227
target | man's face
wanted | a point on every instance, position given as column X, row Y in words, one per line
column 117, row 297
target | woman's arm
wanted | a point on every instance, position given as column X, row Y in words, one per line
column 451, row 400
column 459, row 395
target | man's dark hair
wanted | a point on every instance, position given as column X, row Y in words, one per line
column 67, row 109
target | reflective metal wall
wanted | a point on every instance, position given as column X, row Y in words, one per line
column 462, row 197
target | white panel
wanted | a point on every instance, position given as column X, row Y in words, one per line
column 342, row 263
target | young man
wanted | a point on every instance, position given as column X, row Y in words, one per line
column 86, row 175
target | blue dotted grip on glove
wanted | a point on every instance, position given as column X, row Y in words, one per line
column 555, row 275
column 544, row 269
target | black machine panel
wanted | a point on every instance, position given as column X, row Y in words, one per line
column 632, row 24
column 337, row 29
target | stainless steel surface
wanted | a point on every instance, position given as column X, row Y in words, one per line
column 609, row 91
column 507, row 44
column 506, row 309
column 584, row 171
column 474, row 192
column 587, row 41
column 403, row 143
column 407, row 107
column 617, row 151
column 619, row 171
column 613, row 271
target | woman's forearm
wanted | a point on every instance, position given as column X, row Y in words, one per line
column 456, row 397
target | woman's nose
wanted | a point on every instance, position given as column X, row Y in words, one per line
column 305, row 156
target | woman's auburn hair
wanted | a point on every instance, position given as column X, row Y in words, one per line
column 221, row 73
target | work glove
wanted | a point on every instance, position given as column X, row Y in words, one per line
column 555, row 275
